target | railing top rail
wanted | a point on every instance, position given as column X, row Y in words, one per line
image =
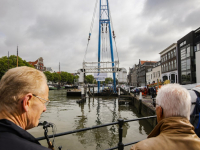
column 90, row 128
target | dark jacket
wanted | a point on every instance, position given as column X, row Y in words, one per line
column 12, row 137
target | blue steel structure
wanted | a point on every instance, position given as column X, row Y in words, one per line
column 104, row 18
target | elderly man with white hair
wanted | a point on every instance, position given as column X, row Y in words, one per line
column 173, row 131
column 23, row 98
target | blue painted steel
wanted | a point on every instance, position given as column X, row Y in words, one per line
column 111, row 51
column 99, row 46
column 101, row 21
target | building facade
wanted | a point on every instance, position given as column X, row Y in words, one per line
column 168, row 59
column 187, row 57
column 38, row 64
column 143, row 67
column 153, row 74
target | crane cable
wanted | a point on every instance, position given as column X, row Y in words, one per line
column 113, row 30
column 91, row 27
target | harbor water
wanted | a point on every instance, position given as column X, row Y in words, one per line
column 68, row 115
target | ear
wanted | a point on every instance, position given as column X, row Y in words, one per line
column 26, row 102
column 159, row 113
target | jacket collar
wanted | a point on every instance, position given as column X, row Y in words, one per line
column 172, row 125
column 8, row 126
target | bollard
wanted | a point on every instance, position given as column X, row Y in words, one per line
column 140, row 103
column 93, row 90
column 82, row 93
column 140, row 98
column 118, row 93
column 120, row 144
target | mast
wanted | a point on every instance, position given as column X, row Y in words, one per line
column 99, row 44
column 8, row 60
column 17, row 55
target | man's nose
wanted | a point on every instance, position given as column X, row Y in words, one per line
column 45, row 108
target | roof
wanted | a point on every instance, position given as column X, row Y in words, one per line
column 174, row 44
column 33, row 63
column 142, row 62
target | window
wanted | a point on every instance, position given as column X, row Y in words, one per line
column 169, row 66
column 188, row 51
column 198, row 47
column 168, row 55
column 172, row 54
column 172, row 65
column 158, row 73
column 166, row 67
column 154, row 75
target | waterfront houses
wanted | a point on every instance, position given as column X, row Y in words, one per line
column 143, row 67
column 179, row 63
column 169, row 63
column 153, row 74
column 187, row 60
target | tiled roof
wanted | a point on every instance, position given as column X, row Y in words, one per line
column 142, row 62
column 33, row 63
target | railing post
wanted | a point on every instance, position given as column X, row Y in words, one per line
column 118, row 93
column 120, row 144
column 154, row 102
column 140, row 103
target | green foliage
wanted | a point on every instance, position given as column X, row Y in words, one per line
column 63, row 77
column 56, row 77
column 108, row 80
column 49, row 75
column 89, row 79
column 12, row 63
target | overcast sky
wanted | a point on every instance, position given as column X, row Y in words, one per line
column 57, row 30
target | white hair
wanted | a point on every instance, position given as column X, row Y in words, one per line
column 175, row 100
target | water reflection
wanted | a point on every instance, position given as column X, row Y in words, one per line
column 68, row 115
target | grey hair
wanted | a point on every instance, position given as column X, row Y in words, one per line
column 17, row 82
column 175, row 100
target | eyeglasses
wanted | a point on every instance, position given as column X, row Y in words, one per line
column 46, row 101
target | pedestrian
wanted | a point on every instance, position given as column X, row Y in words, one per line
column 23, row 98
column 174, row 130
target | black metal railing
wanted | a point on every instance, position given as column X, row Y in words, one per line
column 120, row 122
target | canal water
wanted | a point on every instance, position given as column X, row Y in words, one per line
column 68, row 115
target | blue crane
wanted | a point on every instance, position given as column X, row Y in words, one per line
column 104, row 19
column 105, row 34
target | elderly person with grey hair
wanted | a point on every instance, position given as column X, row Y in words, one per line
column 23, row 98
column 173, row 130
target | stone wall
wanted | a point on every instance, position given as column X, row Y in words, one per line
column 145, row 109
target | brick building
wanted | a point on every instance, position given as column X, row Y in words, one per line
column 38, row 64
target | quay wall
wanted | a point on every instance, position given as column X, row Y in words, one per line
column 145, row 109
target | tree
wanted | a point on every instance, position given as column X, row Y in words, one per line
column 49, row 76
column 70, row 78
column 108, row 80
column 89, row 79
column 56, row 77
column 12, row 63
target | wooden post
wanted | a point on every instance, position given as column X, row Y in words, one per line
column 140, row 102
